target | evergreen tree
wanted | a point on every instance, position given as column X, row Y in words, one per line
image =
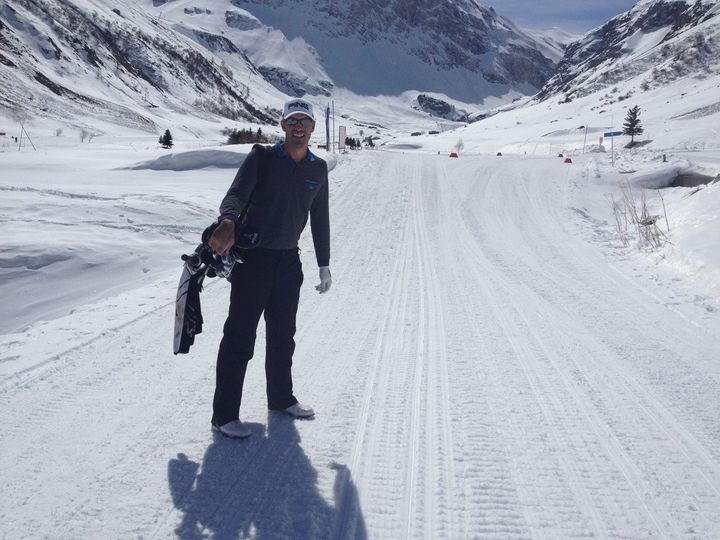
column 632, row 125
column 166, row 140
column 243, row 136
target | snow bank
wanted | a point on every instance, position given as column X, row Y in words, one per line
column 658, row 178
column 227, row 158
column 193, row 160
column 694, row 216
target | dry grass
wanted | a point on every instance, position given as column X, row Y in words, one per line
column 632, row 219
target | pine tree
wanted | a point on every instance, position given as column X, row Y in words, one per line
column 166, row 140
column 632, row 125
column 244, row 136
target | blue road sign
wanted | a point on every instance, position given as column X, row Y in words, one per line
column 612, row 134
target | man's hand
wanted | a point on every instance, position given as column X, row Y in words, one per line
column 223, row 237
column 325, row 280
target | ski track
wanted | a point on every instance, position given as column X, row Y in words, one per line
column 479, row 370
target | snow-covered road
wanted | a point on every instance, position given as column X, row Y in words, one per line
column 485, row 366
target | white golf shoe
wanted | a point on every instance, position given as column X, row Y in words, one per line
column 298, row 411
column 234, row 429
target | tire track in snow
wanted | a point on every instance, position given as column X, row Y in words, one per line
column 44, row 368
column 569, row 493
column 315, row 313
column 404, row 418
column 369, row 461
column 439, row 490
column 650, row 414
column 490, row 493
column 545, row 349
column 377, row 354
column 491, row 394
column 547, row 383
column 419, row 360
column 85, row 425
column 365, row 251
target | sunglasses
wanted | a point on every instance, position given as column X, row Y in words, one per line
column 304, row 122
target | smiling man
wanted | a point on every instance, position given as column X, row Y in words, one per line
column 280, row 186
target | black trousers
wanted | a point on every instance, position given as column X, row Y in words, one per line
column 268, row 281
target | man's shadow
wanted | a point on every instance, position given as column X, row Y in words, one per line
column 264, row 487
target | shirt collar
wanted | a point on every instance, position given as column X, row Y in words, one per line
column 280, row 151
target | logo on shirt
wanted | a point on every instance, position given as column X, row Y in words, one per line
column 312, row 184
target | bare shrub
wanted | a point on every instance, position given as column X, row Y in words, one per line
column 621, row 219
column 633, row 217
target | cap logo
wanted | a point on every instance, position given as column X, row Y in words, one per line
column 298, row 106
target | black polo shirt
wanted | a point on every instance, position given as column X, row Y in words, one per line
column 282, row 201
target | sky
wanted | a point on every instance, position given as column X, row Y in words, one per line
column 569, row 15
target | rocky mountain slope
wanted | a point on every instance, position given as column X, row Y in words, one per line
column 65, row 60
column 138, row 64
column 656, row 42
column 224, row 29
column 455, row 47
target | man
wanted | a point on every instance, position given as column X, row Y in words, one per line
column 284, row 184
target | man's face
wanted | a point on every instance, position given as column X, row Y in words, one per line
column 297, row 136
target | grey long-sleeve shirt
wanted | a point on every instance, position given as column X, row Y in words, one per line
column 283, row 199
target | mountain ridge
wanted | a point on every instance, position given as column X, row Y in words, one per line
column 140, row 65
column 459, row 48
column 657, row 41
column 70, row 59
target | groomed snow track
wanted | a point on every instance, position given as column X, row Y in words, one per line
column 480, row 369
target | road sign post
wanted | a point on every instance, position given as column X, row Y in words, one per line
column 342, row 135
column 612, row 135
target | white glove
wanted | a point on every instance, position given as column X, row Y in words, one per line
column 325, row 280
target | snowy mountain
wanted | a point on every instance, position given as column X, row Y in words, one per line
column 65, row 60
column 137, row 64
column 556, row 41
column 656, row 42
column 290, row 65
column 455, row 47
column 149, row 64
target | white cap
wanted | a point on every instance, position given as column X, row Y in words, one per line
column 298, row 105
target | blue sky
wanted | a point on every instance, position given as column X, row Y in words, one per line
column 577, row 16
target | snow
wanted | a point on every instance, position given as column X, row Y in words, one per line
column 298, row 41
column 552, row 40
column 641, row 42
column 264, row 45
column 491, row 362
column 226, row 157
column 695, row 219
